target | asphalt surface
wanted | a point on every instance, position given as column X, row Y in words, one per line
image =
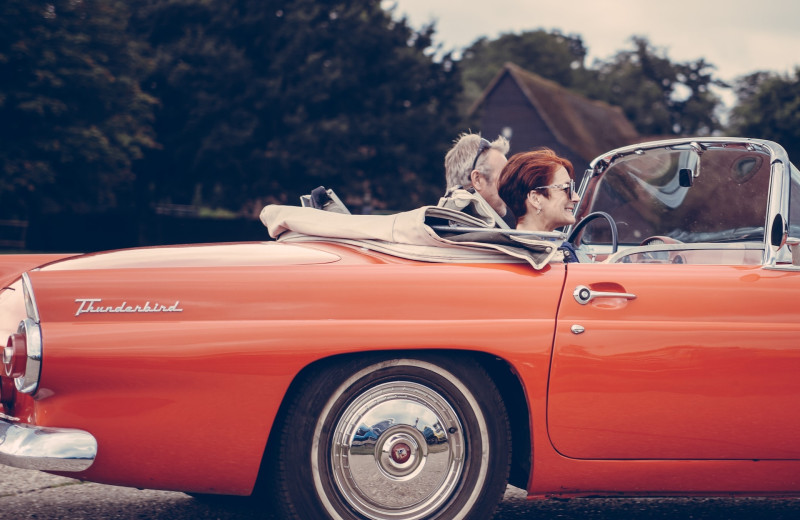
column 28, row 494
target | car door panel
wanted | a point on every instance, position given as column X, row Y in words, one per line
column 701, row 363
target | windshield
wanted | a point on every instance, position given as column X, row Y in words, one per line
column 718, row 194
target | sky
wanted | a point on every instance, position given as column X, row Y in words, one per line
column 736, row 36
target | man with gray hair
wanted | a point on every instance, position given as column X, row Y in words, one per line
column 474, row 163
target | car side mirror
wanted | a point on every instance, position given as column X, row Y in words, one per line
column 778, row 232
column 685, row 177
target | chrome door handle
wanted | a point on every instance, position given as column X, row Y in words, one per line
column 584, row 295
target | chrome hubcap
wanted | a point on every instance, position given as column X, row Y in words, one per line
column 398, row 452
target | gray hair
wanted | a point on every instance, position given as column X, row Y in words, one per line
column 459, row 159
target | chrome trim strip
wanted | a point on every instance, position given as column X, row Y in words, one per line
column 782, row 267
column 30, row 300
column 28, row 383
column 778, row 205
column 45, row 449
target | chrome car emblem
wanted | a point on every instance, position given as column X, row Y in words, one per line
column 401, row 452
column 95, row 305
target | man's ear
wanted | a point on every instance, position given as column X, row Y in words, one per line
column 477, row 179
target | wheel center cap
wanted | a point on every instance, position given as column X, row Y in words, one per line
column 401, row 452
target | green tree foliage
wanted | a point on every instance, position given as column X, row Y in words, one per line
column 768, row 107
column 270, row 98
column 552, row 55
column 73, row 116
column 658, row 96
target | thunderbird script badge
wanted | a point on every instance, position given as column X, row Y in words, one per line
column 96, row 305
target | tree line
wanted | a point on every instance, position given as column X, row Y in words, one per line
column 109, row 104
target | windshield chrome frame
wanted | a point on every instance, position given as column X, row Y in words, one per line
column 779, row 185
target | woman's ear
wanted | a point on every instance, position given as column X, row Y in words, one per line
column 535, row 201
column 533, row 198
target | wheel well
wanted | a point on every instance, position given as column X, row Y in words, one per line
column 499, row 370
column 513, row 395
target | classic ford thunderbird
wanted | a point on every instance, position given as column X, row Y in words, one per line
column 409, row 366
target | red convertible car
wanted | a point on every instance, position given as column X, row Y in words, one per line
column 409, row 366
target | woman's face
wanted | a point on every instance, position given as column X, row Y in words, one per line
column 558, row 208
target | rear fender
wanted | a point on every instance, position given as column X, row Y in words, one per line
column 12, row 266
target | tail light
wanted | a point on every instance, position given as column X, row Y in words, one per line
column 22, row 355
column 16, row 353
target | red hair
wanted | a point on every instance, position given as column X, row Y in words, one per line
column 526, row 171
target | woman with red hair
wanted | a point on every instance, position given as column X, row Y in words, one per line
column 538, row 187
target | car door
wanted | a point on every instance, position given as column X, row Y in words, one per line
column 684, row 362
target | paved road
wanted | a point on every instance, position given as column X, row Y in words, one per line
column 32, row 495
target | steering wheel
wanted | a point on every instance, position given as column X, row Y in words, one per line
column 592, row 216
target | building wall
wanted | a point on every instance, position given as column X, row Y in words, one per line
column 506, row 108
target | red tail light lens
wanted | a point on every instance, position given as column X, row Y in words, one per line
column 22, row 357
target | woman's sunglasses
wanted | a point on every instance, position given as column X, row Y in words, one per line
column 569, row 187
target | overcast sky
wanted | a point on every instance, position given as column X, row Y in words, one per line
column 736, row 36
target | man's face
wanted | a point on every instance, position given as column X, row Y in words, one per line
column 494, row 162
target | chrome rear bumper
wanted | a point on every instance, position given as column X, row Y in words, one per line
column 46, row 449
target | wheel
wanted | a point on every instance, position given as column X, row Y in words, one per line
column 590, row 217
column 409, row 438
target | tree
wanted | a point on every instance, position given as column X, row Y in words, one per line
column 552, row 55
column 658, row 96
column 74, row 116
column 271, row 98
column 768, row 107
